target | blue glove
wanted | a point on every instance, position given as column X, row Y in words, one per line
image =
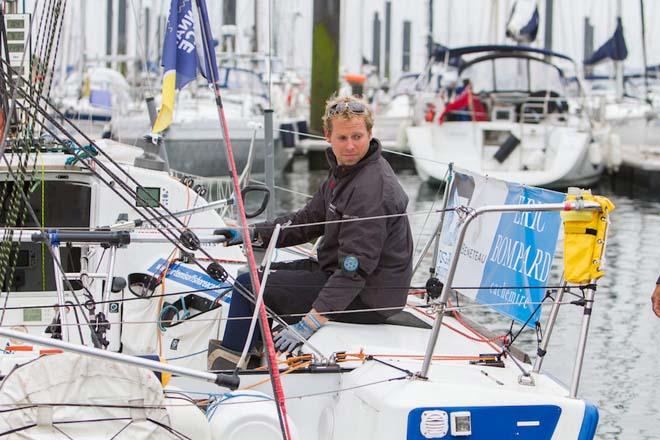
column 234, row 236
column 286, row 341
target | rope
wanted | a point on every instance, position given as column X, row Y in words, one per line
column 408, row 372
column 43, row 222
column 479, row 337
column 268, row 379
column 435, row 199
column 377, row 217
column 281, row 188
column 524, row 325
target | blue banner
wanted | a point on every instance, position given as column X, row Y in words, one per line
column 192, row 278
column 521, row 255
column 504, row 256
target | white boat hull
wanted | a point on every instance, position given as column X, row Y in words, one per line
column 389, row 404
column 195, row 146
column 555, row 156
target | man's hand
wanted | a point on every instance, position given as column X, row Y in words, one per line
column 655, row 300
column 234, row 236
column 286, row 341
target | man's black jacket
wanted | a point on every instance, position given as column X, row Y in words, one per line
column 383, row 246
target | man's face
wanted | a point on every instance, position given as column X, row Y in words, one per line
column 349, row 139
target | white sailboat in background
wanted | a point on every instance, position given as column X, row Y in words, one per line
column 631, row 113
column 193, row 141
column 92, row 97
column 517, row 124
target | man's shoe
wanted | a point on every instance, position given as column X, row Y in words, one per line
column 222, row 358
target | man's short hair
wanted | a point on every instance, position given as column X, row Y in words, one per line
column 347, row 107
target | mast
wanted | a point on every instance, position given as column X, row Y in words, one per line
column 588, row 44
column 388, row 36
column 255, row 29
column 645, row 73
column 547, row 41
column 108, row 29
column 429, row 37
column 618, row 65
column 83, row 32
column 496, row 21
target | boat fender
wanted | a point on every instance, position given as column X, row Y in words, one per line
column 507, row 147
column 595, row 153
column 614, row 157
column 429, row 112
column 229, row 420
column 584, row 238
column 402, row 134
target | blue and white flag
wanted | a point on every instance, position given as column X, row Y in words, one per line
column 179, row 58
column 505, row 254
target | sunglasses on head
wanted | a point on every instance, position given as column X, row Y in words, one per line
column 352, row 106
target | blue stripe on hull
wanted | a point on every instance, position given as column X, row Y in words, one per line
column 589, row 422
column 530, row 422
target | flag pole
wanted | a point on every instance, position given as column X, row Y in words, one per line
column 211, row 67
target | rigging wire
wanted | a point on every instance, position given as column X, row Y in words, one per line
column 176, row 241
column 140, row 47
column 109, row 183
column 107, row 170
column 128, row 190
column 435, row 199
column 415, row 290
column 387, row 150
column 196, row 318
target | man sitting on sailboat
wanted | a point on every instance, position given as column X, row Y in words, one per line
column 363, row 265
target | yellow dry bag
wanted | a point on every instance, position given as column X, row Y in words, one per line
column 584, row 239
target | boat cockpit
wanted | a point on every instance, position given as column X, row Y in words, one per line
column 508, row 84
